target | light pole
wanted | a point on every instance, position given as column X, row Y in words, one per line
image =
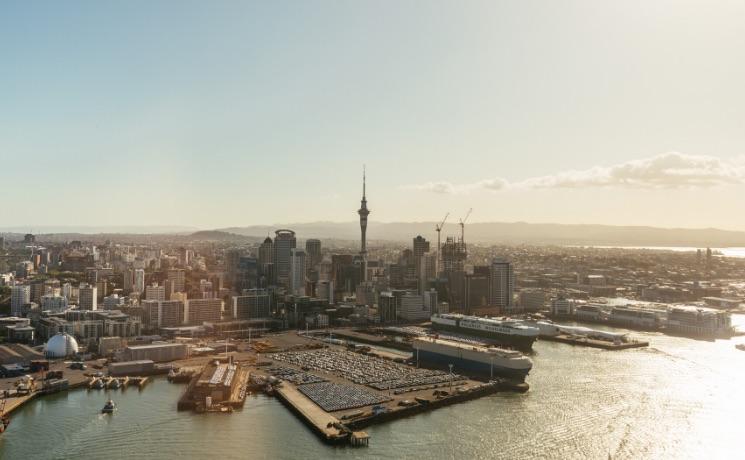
column 451, row 377
column 491, row 370
column 417, row 358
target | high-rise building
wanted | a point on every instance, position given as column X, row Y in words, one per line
column 232, row 259
column 255, row 304
column 53, row 302
column 19, row 296
column 155, row 292
column 477, row 289
column 139, row 280
column 177, row 277
column 67, row 290
column 501, row 285
column 248, row 273
column 325, row 290
column 419, row 248
column 427, row 270
column 532, row 299
column 363, row 212
column 266, row 263
column 284, row 243
column 313, row 252
column 297, row 272
column 171, row 313
column 200, row 310
column 266, row 252
column 412, row 308
column 87, row 297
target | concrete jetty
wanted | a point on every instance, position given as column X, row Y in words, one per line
column 328, row 427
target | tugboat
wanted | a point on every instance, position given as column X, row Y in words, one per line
column 109, row 407
column 4, row 419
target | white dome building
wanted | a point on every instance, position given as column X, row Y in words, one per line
column 61, row 346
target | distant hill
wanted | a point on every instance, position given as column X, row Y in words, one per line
column 513, row 233
column 110, row 229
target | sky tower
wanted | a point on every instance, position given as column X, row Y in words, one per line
column 363, row 212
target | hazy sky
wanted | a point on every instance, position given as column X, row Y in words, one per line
column 217, row 114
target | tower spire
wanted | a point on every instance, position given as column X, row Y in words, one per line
column 363, row 212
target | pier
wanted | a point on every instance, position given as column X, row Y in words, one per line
column 594, row 343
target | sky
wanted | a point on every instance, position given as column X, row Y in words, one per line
column 228, row 113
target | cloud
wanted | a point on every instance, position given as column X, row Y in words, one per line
column 665, row 171
column 668, row 170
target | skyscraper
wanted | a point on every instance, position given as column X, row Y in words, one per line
column 501, row 284
column 88, row 297
column 139, row 282
column 284, row 243
column 19, row 296
column 297, row 272
column 177, row 277
column 266, row 263
column 363, row 212
column 313, row 252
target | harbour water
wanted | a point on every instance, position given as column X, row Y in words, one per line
column 679, row 398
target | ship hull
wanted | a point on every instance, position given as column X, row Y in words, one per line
column 519, row 342
column 469, row 366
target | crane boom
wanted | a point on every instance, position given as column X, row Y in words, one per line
column 463, row 224
column 438, row 228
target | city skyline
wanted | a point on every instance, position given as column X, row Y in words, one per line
column 123, row 110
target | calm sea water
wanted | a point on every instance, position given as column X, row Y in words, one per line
column 726, row 252
column 680, row 398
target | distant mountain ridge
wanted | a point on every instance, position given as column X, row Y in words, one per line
column 513, row 233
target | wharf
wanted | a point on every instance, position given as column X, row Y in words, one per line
column 593, row 343
column 323, row 423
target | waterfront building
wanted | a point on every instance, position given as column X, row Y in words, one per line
column 562, row 307
column 157, row 352
column 532, row 300
column 201, row 310
column 692, row 320
column 170, row 313
column 255, row 304
column 412, row 307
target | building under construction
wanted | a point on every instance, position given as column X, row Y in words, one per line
column 454, row 255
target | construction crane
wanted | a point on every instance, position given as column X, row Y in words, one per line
column 463, row 225
column 438, row 228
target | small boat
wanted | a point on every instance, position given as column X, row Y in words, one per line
column 115, row 384
column 109, row 407
column 99, row 384
column 740, row 346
